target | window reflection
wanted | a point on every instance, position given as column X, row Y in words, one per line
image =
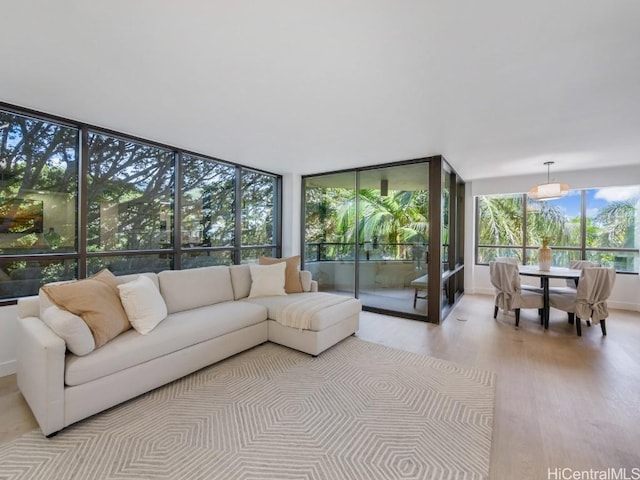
column 129, row 209
column 130, row 195
column 258, row 208
column 38, row 185
column 208, row 203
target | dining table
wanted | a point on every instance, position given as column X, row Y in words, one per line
column 545, row 276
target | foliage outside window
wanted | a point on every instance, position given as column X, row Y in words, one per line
column 600, row 225
column 129, row 195
column 128, row 206
column 392, row 227
column 208, row 201
column 38, row 203
column 259, row 200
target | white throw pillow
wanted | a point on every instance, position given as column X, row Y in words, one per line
column 71, row 328
column 267, row 280
column 143, row 304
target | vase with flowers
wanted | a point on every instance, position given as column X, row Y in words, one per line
column 545, row 255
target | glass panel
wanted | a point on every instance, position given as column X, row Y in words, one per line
column 329, row 235
column 460, row 216
column 251, row 255
column 613, row 221
column 446, row 214
column 259, row 215
column 207, row 259
column 130, row 195
column 445, row 230
column 208, row 203
column 558, row 220
column 393, row 236
column 621, row 261
column 561, row 257
column 126, row 264
column 19, row 278
column 489, row 254
column 500, row 220
column 38, row 185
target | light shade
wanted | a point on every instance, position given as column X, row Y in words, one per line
column 549, row 191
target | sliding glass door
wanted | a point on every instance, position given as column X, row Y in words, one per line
column 393, row 232
column 366, row 234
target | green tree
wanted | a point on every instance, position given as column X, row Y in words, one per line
column 397, row 219
column 616, row 224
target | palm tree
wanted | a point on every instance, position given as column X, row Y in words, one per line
column 500, row 220
column 617, row 224
column 397, row 219
column 500, row 223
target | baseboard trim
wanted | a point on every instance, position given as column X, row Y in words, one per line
column 7, row 368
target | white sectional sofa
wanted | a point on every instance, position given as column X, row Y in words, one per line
column 210, row 317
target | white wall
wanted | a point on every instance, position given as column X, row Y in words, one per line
column 626, row 292
column 291, row 200
column 8, row 324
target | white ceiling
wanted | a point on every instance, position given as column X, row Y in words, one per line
column 294, row 86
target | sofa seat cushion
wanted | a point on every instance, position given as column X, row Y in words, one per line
column 335, row 308
column 177, row 331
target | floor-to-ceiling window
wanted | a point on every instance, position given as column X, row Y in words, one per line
column 367, row 232
column 38, row 203
column 329, row 237
column 75, row 199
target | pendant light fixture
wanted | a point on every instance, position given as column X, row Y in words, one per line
column 549, row 191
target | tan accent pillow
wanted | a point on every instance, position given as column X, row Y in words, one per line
column 292, row 282
column 96, row 301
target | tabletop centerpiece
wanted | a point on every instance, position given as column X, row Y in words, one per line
column 545, row 255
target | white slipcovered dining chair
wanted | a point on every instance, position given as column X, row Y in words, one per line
column 509, row 294
column 514, row 261
column 571, row 283
column 589, row 302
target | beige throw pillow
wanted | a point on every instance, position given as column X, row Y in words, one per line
column 292, row 282
column 143, row 304
column 96, row 301
column 267, row 280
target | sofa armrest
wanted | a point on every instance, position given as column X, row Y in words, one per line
column 308, row 284
column 29, row 307
column 40, row 372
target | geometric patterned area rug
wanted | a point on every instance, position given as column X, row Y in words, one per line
column 357, row 411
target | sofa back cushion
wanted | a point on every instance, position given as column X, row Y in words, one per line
column 240, row 280
column 195, row 287
column 134, row 276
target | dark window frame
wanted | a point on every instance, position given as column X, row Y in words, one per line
column 524, row 247
column 81, row 255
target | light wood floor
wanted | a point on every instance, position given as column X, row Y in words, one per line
column 562, row 401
